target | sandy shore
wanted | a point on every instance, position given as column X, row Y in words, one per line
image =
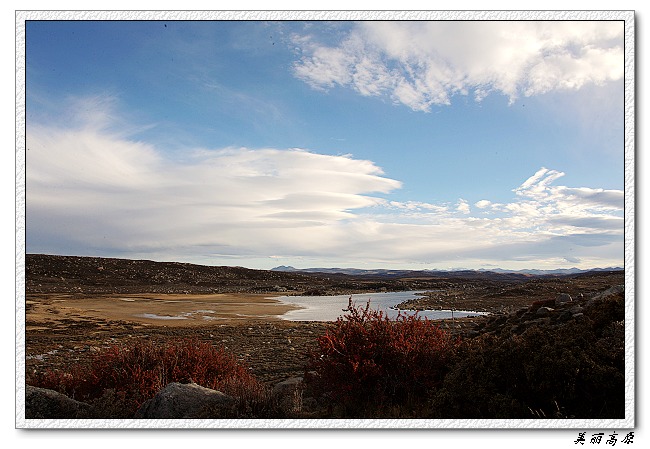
column 175, row 310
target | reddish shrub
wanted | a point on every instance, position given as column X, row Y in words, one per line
column 369, row 363
column 134, row 374
column 541, row 303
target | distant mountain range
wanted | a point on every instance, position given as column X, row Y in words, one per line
column 393, row 273
column 557, row 271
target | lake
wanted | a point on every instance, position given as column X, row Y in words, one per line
column 329, row 308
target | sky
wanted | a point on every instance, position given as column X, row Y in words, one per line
column 395, row 144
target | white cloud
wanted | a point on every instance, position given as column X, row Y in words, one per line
column 93, row 192
column 580, row 202
column 421, row 64
column 99, row 189
column 418, row 206
column 463, row 206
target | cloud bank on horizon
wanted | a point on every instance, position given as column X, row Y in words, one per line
column 94, row 187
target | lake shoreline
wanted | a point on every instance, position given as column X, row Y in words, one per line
column 330, row 307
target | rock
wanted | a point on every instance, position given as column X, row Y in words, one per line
column 541, row 303
column 41, row 403
column 563, row 298
column 540, row 322
column 576, row 309
column 527, row 316
column 543, row 311
column 617, row 289
column 288, row 385
column 182, row 401
column 289, row 394
column 599, row 297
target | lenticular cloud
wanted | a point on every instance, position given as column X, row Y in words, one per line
column 421, row 64
column 92, row 188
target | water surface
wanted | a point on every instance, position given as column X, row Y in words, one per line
column 329, row 308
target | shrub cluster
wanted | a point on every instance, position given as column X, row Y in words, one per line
column 572, row 371
column 121, row 378
column 369, row 365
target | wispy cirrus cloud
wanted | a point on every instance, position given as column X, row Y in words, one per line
column 422, row 64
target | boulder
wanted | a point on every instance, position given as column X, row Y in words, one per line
column 563, row 298
column 289, row 394
column 543, row 312
column 41, row 403
column 289, row 385
column 599, row 297
column 183, row 401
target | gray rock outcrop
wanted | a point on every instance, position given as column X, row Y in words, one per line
column 548, row 313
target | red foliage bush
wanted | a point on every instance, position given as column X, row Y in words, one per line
column 367, row 362
column 136, row 373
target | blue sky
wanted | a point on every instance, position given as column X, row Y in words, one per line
column 368, row 144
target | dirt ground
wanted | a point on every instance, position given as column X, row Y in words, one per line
column 68, row 319
column 62, row 330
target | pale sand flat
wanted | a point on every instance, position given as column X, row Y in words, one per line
column 156, row 309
